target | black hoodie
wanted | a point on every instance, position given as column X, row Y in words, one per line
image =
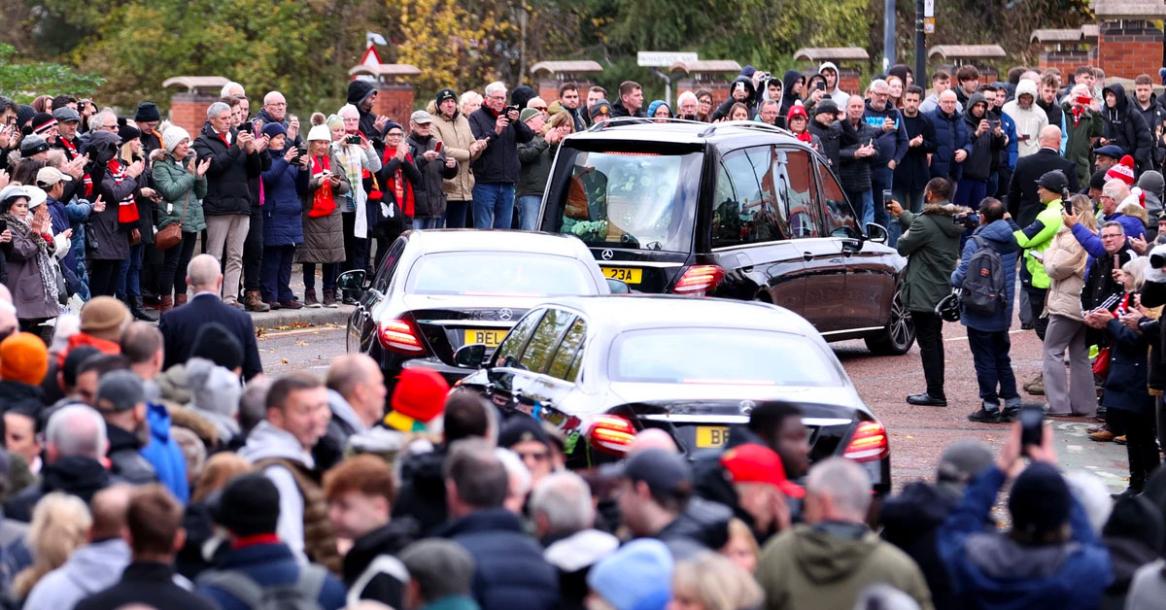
column 358, row 91
column 722, row 111
column 788, row 96
column 74, row 475
column 983, row 159
column 1125, row 127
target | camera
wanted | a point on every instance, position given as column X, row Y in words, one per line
column 352, row 139
column 1158, row 257
column 820, row 86
column 512, row 108
column 246, row 127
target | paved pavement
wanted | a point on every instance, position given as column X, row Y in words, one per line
column 918, row 434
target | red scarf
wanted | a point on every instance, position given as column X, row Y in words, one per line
column 323, row 203
column 127, row 208
column 1078, row 111
column 396, row 183
column 806, row 136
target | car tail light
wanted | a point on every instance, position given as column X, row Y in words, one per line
column 868, row 443
column 400, row 335
column 611, row 434
column 699, row 280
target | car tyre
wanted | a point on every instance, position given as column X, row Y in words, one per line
column 899, row 334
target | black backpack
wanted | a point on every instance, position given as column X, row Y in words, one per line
column 983, row 289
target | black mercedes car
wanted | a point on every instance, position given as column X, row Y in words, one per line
column 603, row 368
column 436, row 291
column 738, row 210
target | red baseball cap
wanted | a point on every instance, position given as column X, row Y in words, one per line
column 753, row 463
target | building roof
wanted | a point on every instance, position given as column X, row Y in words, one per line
column 194, row 83
column 583, row 66
column 834, row 54
column 1129, row 9
column 385, row 71
column 967, row 51
column 707, row 66
column 1056, row 35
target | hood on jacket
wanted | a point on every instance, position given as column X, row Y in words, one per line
column 944, row 215
column 76, row 475
column 999, row 232
column 749, row 90
column 174, row 385
column 976, row 98
column 358, row 90
column 1002, row 559
column 98, row 565
column 267, row 441
column 1123, row 101
column 1028, row 87
column 787, row 82
column 343, row 411
column 837, row 74
column 580, row 550
column 213, row 388
column 830, row 552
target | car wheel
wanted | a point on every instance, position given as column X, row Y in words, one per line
column 899, row 333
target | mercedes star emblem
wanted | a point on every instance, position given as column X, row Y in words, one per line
column 505, row 313
column 607, row 254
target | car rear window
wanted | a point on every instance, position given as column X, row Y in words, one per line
column 720, row 356
column 628, row 199
column 500, row 273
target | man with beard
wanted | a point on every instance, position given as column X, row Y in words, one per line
column 121, row 400
column 1148, row 105
column 363, row 95
column 569, row 99
column 911, row 174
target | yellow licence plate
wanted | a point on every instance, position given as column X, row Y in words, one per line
column 485, row 336
column 711, row 436
column 626, row 275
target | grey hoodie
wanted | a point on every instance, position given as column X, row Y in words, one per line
column 215, row 393
column 93, row 567
column 266, row 442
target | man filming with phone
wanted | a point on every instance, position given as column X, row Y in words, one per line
column 496, row 169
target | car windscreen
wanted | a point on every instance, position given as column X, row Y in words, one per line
column 720, row 356
column 626, row 199
column 499, row 273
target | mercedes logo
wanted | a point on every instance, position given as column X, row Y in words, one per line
column 746, row 407
column 607, row 254
column 505, row 313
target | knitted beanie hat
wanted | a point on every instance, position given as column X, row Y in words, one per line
column 104, row 318
column 173, row 136
column 24, row 358
column 1124, row 171
column 420, row 394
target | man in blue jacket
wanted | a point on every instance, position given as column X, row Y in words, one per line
column 1051, row 559
column 951, row 139
column 891, row 143
column 988, row 331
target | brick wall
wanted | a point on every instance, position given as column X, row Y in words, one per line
column 1129, row 48
column 188, row 111
column 395, row 101
column 850, row 81
column 719, row 89
column 1067, row 61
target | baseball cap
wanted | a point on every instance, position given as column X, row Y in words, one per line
column 664, row 472
column 32, row 145
column 1054, row 181
column 119, row 391
column 48, row 176
column 753, row 463
column 421, row 117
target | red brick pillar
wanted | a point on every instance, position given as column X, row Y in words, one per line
column 188, row 111
column 1129, row 48
column 395, row 101
column 850, row 81
column 548, row 89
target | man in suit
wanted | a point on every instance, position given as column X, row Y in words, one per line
column 1023, row 202
column 180, row 325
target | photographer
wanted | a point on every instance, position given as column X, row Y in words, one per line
column 496, row 170
column 987, row 140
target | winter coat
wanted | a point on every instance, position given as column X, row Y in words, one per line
column 372, row 562
column 931, row 241
column 892, row 145
column 229, row 175
column 324, row 236
column 1037, row 237
column 456, row 138
column 1029, row 121
column 911, row 172
column 422, row 490
column 283, row 223
column 1010, row 154
column 1155, row 117
column 951, row 134
column 1127, row 554
column 498, row 163
column 91, row 568
column 106, row 238
column 1064, row 262
column 523, row 580
column 1125, row 127
column 989, row 570
column 788, row 97
column 998, row 235
column 722, row 111
column 854, row 172
column 1099, row 268
column 1126, row 385
column 428, row 194
column 149, row 584
column 910, row 521
column 74, row 475
column 1053, row 112
column 536, row 158
column 268, row 565
column 182, row 194
column 125, row 458
column 1080, row 134
column 830, row 137
column 164, row 454
column 26, row 275
column 829, row 564
column 984, row 149
column 28, row 398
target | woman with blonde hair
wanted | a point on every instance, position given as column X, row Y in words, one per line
column 60, row 523
column 709, row 581
column 742, row 548
column 218, row 471
column 1070, row 393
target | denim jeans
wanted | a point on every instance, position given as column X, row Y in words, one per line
column 129, row 275
column 428, row 222
column 493, row 205
column 971, row 193
column 528, row 206
column 993, row 365
column 863, row 202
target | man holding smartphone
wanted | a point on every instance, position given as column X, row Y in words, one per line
column 496, row 170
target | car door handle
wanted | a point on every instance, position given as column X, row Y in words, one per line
column 807, row 256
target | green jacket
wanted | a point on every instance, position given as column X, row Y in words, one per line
column 1079, row 139
column 536, row 157
column 828, row 566
column 182, row 195
column 1037, row 237
column 931, row 241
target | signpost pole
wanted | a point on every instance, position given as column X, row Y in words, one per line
column 924, row 23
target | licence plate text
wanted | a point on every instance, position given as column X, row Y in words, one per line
column 486, row 336
column 711, row 436
column 626, row 275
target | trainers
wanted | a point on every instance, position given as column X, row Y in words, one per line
column 1036, row 387
column 985, row 416
column 1102, row 436
column 330, row 299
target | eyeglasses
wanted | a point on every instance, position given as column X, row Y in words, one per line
column 1111, row 236
column 495, row 97
column 395, row 134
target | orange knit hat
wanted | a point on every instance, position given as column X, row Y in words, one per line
column 24, row 358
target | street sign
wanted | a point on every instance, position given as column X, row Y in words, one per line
column 928, row 8
column 663, row 59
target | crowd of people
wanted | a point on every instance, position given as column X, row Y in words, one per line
column 158, row 465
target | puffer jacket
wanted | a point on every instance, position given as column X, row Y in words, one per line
column 428, row 194
column 951, row 134
column 26, row 277
column 229, row 175
column 1065, row 265
column 931, row 241
column 1037, row 237
column 853, row 172
column 523, row 580
column 182, row 194
column 1125, row 127
column 324, row 236
column 456, row 137
column 998, row 236
column 282, row 210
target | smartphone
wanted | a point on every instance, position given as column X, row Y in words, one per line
column 888, row 196
column 437, row 147
column 352, row 139
column 1032, row 421
column 820, row 86
column 247, row 127
column 994, row 123
column 1110, row 303
column 3, row 225
column 301, row 151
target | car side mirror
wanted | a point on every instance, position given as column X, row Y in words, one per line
column 618, row 287
column 471, row 356
column 876, row 233
column 351, row 281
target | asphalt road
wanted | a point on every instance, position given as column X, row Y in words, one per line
column 918, row 434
